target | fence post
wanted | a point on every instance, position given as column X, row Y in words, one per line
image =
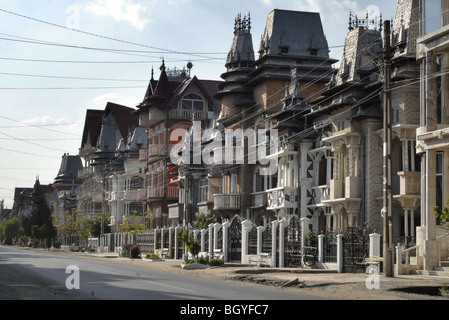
column 171, row 242
column 203, row 240
column 321, row 248
column 225, row 227
column 274, row 228
column 282, row 225
column 211, row 240
column 304, row 230
column 399, row 267
column 260, row 231
column 246, row 227
column 374, row 245
column 340, row 253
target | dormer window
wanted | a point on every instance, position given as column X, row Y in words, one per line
column 193, row 102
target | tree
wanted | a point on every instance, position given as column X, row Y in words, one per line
column 100, row 224
column 134, row 225
column 10, row 229
column 39, row 224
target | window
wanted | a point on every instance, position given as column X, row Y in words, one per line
column 136, row 183
column 439, row 177
column 435, row 15
column 439, row 102
column 193, row 102
column 136, row 208
column 204, row 190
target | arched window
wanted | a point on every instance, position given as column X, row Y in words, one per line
column 193, row 102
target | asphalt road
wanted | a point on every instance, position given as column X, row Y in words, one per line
column 103, row 280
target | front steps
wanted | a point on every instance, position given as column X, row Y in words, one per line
column 442, row 271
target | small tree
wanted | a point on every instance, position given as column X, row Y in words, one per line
column 194, row 246
column 10, row 229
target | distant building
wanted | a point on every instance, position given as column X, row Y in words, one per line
column 66, row 185
column 171, row 103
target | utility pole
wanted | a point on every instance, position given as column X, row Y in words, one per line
column 387, row 213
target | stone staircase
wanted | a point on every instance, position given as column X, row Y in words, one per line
column 441, row 271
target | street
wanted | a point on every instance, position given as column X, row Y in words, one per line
column 103, row 280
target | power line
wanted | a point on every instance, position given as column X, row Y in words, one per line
column 105, row 37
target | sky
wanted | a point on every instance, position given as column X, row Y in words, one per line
column 59, row 58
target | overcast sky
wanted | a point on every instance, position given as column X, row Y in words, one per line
column 50, row 74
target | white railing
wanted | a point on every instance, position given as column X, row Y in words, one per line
column 227, row 201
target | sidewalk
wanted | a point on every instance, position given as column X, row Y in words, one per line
column 322, row 283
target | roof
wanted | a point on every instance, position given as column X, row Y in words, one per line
column 125, row 117
column 68, row 171
column 92, row 127
column 168, row 92
column 298, row 31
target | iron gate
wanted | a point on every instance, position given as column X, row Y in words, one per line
column 355, row 248
column 292, row 243
column 235, row 240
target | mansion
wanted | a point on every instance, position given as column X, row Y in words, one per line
column 323, row 125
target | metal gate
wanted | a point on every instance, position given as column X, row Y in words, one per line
column 355, row 248
column 235, row 240
column 292, row 241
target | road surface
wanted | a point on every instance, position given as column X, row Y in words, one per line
column 106, row 280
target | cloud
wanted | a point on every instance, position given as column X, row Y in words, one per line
column 101, row 101
column 45, row 120
column 122, row 10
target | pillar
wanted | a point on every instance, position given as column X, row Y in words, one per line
column 225, row 227
column 246, row 228
column 282, row 225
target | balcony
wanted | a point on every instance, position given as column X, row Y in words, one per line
column 282, row 198
column 130, row 195
column 156, row 150
column 85, row 173
column 143, row 155
column 316, row 196
column 227, row 201
column 409, row 189
column 159, row 192
column 142, row 195
column 187, row 114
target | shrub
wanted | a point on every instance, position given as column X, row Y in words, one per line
column 215, row 262
column 135, row 252
column 152, row 256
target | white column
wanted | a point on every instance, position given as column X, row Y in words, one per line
column 282, row 225
column 246, row 228
column 274, row 226
column 340, row 253
column 225, row 227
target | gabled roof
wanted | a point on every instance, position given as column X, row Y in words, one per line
column 124, row 117
column 168, row 92
column 92, row 127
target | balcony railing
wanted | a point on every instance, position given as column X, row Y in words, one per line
column 159, row 192
column 319, row 194
column 187, row 114
column 282, row 198
column 143, row 155
column 227, row 201
column 86, row 172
